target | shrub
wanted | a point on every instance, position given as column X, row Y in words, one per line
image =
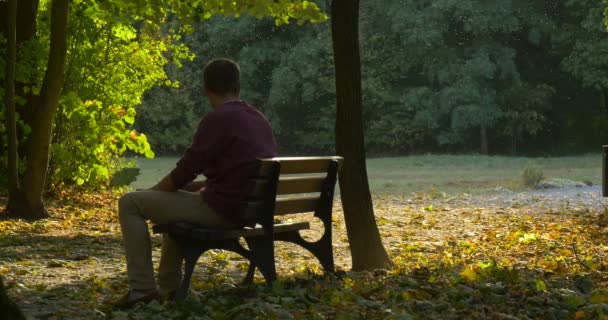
column 532, row 176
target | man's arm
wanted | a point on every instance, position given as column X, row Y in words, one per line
column 208, row 141
column 166, row 184
column 195, row 186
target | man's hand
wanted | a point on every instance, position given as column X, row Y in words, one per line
column 166, row 184
column 195, row 186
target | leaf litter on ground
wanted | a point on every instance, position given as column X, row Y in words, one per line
column 455, row 257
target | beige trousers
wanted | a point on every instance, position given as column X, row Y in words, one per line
column 134, row 208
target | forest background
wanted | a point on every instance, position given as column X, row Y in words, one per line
column 507, row 77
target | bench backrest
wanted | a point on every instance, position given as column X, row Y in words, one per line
column 292, row 185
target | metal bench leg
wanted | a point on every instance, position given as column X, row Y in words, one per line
column 251, row 270
column 263, row 258
column 324, row 252
column 250, row 273
column 322, row 249
column 327, row 261
column 191, row 255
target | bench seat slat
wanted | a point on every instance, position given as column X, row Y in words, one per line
column 199, row 233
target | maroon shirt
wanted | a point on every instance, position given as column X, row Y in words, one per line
column 227, row 141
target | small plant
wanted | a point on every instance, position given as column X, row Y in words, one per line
column 532, row 176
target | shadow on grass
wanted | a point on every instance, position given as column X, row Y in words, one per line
column 25, row 246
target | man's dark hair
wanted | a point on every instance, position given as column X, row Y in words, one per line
column 222, row 77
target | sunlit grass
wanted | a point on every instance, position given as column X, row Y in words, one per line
column 446, row 173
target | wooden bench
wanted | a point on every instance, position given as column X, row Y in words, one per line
column 279, row 186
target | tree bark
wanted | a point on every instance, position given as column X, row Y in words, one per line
column 26, row 31
column 26, row 20
column 3, row 17
column 29, row 204
column 9, row 96
column 367, row 250
column 484, row 140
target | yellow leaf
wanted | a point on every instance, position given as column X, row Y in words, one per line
column 470, row 275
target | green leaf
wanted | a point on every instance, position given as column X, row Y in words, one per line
column 124, row 177
column 149, row 154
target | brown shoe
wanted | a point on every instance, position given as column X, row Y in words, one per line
column 125, row 302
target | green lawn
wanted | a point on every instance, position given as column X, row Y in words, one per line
column 445, row 173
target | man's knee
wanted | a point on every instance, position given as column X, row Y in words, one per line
column 126, row 203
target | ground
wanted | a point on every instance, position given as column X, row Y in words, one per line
column 502, row 255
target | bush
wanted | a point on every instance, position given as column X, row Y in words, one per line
column 532, row 176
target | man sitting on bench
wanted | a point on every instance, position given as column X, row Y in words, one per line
column 227, row 141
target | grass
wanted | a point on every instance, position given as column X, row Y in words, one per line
column 446, row 173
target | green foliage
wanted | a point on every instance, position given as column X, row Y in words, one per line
column 87, row 144
column 117, row 50
column 512, row 69
column 587, row 60
column 435, row 74
column 110, row 65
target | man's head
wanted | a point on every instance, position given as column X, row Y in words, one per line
column 222, row 79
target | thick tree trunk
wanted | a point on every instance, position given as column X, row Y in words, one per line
column 3, row 17
column 26, row 30
column 367, row 250
column 9, row 96
column 30, row 204
column 16, row 197
column 8, row 13
column 26, row 20
column 484, row 140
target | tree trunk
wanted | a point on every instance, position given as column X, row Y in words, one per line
column 26, row 30
column 26, row 20
column 16, row 197
column 29, row 205
column 3, row 18
column 484, row 140
column 366, row 247
column 9, row 95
